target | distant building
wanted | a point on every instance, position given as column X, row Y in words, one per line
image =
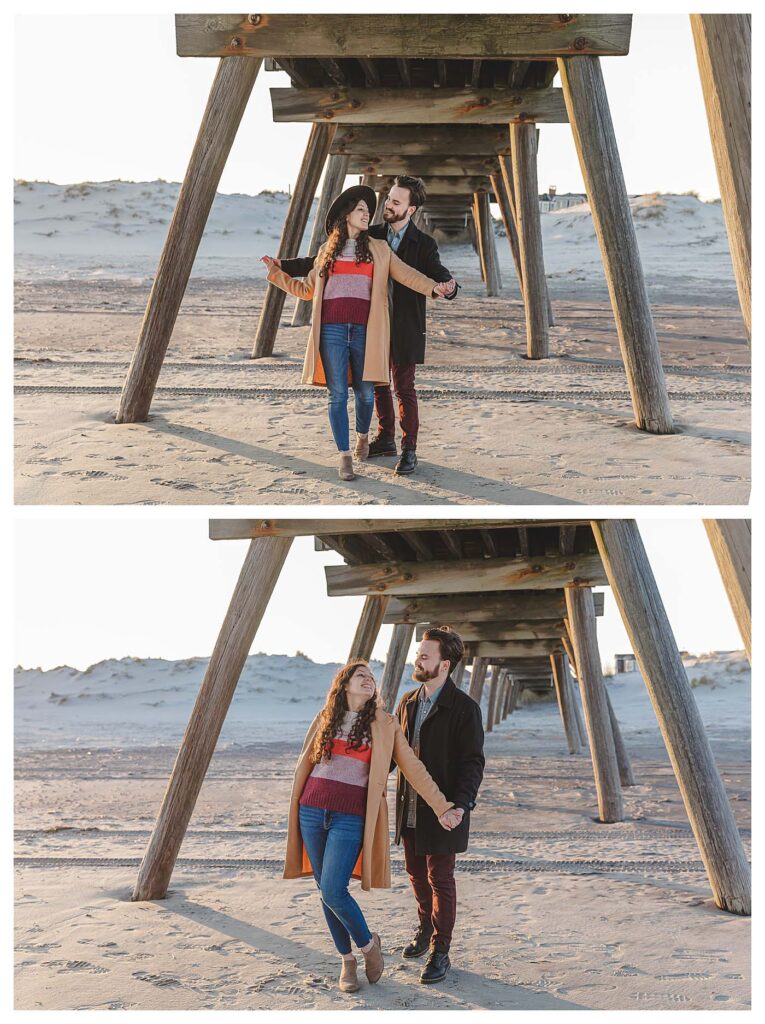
column 550, row 200
column 625, row 663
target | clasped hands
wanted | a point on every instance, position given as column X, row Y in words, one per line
column 450, row 819
column 444, row 288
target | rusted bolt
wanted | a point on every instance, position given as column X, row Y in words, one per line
column 355, row 104
column 580, row 43
column 565, row 18
column 335, row 96
column 517, row 99
column 236, row 42
column 254, row 19
column 329, row 114
column 484, row 101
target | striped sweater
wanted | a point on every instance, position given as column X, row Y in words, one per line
column 340, row 783
column 348, row 289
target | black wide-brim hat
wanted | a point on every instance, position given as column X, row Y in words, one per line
column 355, row 192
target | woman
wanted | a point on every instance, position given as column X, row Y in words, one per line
column 338, row 817
column 350, row 327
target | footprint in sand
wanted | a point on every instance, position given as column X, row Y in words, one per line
column 160, row 981
column 178, row 485
column 93, row 474
column 68, row 966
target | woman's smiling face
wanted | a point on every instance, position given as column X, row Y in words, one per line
column 358, row 218
column 361, row 684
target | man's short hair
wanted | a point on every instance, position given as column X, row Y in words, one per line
column 416, row 186
column 450, row 644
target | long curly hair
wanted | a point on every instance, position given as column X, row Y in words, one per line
column 338, row 236
column 332, row 713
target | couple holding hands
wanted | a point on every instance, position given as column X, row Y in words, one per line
column 368, row 287
column 338, row 815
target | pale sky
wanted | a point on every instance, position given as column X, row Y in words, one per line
column 88, row 589
column 104, row 96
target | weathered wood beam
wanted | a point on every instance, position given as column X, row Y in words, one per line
column 428, row 106
column 515, row 648
column 371, row 72
column 413, row 140
column 226, row 104
column 559, row 665
column 541, row 572
column 458, row 673
column 706, row 802
column 593, row 131
column 731, row 541
column 400, row 641
column 524, row 158
column 626, row 776
column 446, row 185
column 523, row 606
column 403, row 70
column 369, row 626
column 590, row 675
column 436, row 166
column 303, row 194
column 505, row 210
column 434, row 36
column 332, row 186
column 487, row 244
column 724, row 54
column 260, row 571
column 534, row 629
column 245, row 529
column 491, row 711
column 477, row 677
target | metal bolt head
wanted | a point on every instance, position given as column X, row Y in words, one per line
column 580, row 43
column 235, row 43
column 565, row 18
column 254, row 19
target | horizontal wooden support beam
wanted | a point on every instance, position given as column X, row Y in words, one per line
column 510, row 606
column 246, row 529
column 517, row 649
column 444, row 186
column 434, row 36
column 436, row 166
column 428, row 106
column 543, row 572
column 541, row 629
column 367, row 141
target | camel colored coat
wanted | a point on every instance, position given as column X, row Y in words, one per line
column 388, row 743
column 377, row 353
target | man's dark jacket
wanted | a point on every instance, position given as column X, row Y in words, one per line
column 451, row 748
column 407, row 329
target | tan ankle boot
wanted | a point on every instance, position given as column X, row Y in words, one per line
column 373, row 960
column 345, row 470
column 349, row 979
column 362, row 446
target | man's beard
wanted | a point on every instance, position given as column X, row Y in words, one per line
column 389, row 215
column 421, row 675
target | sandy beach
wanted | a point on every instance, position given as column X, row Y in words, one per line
column 496, row 427
column 555, row 910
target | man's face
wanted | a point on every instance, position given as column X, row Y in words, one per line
column 428, row 663
column 397, row 206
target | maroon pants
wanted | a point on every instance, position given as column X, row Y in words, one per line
column 403, row 384
column 432, row 878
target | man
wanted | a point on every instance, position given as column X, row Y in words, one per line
column 443, row 726
column 408, row 333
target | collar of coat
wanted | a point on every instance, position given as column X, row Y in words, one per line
column 445, row 697
column 411, row 235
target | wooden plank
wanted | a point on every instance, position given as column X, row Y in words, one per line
column 559, row 665
column 317, row 149
column 487, row 244
column 400, row 641
column 225, row 106
column 420, row 140
column 523, row 606
column 433, row 36
column 446, row 185
column 541, row 572
column 540, row 629
column 335, row 105
column 731, row 541
column 260, row 572
column 369, row 626
column 491, row 711
column 516, row 648
column 593, row 131
column 438, row 165
column 724, row 54
column 505, row 210
column 605, row 768
column 524, row 158
column 661, row 667
column 334, row 179
column 245, row 529
column 477, row 677
column 626, row 775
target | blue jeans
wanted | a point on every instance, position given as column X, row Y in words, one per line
column 333, row 843
column 339, row 345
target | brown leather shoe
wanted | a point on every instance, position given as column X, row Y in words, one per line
column 362, row 447
column 349, row 979
column 345, row 469
column 373, row 960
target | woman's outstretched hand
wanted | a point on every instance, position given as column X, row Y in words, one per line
column 270, row 261
column 451, row 818
column 444, row 288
